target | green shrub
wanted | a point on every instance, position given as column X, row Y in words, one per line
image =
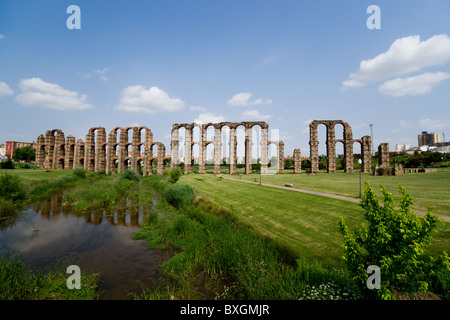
column 131, row 175
column 394, row 240
column 175, row 174
column 179, row 195
column 7, row 164
column 11, row 188
column 79, row 172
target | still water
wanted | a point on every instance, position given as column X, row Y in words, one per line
column 97, row 241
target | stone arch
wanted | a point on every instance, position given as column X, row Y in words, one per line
column 331, row 145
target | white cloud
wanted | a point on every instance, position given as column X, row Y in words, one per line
column 151, row 101
column 254, row 115
column 5, row 90
column 204, row 118
column 404, row 56
column 36, row 92
column 2, row 36
column 412, row 86
column 242, row 100
column 197, row 108
column 436, row 125
column 102, row 73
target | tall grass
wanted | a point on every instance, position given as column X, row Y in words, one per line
column 19, row 282
column 211, row 240
column 100, row 192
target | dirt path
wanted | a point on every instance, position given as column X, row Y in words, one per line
column 328, row 195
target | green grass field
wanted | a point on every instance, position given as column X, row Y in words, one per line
column 30, row 176
column 425, row 188
column 306, row 223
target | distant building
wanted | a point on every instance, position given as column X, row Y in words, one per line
column 2, row 151
column 402, row 147
column 10, row 146
column 428, row 139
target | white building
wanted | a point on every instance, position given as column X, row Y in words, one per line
column 402, row 147
column 2, row 151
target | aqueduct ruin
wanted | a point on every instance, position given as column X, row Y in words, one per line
column 133, row 147
column 101, row 155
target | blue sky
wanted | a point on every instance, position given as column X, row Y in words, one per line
column 155, row 63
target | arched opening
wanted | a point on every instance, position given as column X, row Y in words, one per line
column 357, row 153
column 322, row 131
column 240, row 149
column 225, row 149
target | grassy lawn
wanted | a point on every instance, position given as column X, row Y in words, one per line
column 30, row 176
column 425, row 188
column 306, row 223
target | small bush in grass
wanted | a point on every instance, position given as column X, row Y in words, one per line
column 394, row 240
column 7, row 164
column 175, row 174
column 179, row 195
column 11, row 188
column 131, row 175
column 80, row 172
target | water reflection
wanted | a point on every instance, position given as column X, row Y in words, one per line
column 97, row 240
column 126, row 214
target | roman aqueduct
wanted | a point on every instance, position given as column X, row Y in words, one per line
column 133, row 147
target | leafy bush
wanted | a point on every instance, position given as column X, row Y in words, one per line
column 131, row 175
column 11, row 188
column 179, row 195
column 7, row 164
column 79, row 172
column 175, row 174
column 394, row 240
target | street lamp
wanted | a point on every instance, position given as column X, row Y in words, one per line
column 442, row 158
column 360, row 169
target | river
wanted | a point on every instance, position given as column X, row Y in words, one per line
column 97, row 241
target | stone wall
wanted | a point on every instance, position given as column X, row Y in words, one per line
column 331, row 146
column 217, row 143
column 99, row 154
column 383, row 155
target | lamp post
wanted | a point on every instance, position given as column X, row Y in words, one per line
column 359, row 162
column 442, row 158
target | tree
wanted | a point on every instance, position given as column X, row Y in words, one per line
column 394, row 240
column 26, row 153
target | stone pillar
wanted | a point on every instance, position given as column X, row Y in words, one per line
column 366, row 154
column 233, row 144
column 248, row 149
column 100, row 151
column 112, row 140
column 314, row 147
column 280, row 157
column 383, row 155
column 78, row 154
column 160, row 158
column 123, row 153
column 297, row 161
column 135, row 150
column 348, row 149
column 202, row 150
column 89, row 151
column 217, row 149
column 264, row 149
column 148, row 170
column 49, row 149
column 70, row 151
column 331, row 148
column 59, row 151
column 174, row 146
column 188, row 149
column 40, row 151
